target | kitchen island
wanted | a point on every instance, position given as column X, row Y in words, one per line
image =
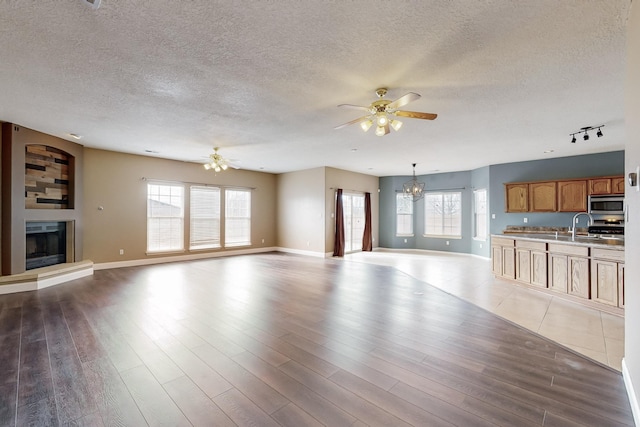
column 587, row 269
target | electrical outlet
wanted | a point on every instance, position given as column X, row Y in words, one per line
column 262, row 240
column 526, row 220
column 480, row 245
column 405, row 240
column 493, row 216
column 121, row 251
column 447, row 243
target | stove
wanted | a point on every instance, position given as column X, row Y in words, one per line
column 613, row 227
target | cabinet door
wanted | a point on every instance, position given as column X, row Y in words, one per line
column 542, row 197
column 516, row 197
column 523, row 265
column 579, row 276
column 539, row 268
column 559, row 273
column 617, row 185
column 620, row 285
column 604, row 281
column 572, row 196
column 508, row 263
column 600, row 186
column 496, row 260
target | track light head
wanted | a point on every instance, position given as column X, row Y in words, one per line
column 573, row 140
column 586, row 136
column 599, row 134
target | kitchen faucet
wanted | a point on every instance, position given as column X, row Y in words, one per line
column 573, row 223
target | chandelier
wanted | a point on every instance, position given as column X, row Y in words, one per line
column 413, row 189
column 216, row 162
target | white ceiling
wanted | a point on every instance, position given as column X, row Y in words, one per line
column 262, row 79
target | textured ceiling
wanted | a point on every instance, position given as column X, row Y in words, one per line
column 262, row 79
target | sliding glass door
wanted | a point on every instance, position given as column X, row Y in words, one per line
column 353, row 205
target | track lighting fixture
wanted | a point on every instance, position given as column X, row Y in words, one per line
column 586, row 135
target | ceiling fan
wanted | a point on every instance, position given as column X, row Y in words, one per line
column 217, row 162
column 379, row 111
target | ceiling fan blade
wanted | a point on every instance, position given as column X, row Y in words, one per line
column 416, row 115
column 403, row 100
column 355, row 107
column 352, row 122
column 386, row 128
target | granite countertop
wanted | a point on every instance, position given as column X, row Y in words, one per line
column 616, row 243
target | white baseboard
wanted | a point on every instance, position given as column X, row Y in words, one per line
column 174, row 258
column 633, row 397
column 45, row 277
column 302, row 252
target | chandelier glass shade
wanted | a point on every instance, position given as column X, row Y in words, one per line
column 413, row 189
column 216, row 162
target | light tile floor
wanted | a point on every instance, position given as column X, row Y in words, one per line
column 588, row 331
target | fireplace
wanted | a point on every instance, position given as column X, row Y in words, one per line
column 46, row 244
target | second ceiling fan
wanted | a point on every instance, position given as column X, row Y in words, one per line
column 379, row 111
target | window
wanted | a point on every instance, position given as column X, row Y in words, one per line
column 353, row 212
column 237, row 229
column 404, row 215
column 480, row 214
column 165, row 217
column 443, row 214
column 204, row 217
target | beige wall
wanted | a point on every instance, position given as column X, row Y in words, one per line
column 306, row 207
column 349, row 182
column 301, row 210
column 115, row 182
column 632, row 197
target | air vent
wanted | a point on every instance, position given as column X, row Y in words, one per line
column 93, row 3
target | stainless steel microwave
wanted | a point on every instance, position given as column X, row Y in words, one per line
column 606, row 205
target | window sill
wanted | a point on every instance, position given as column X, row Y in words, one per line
column 439, row 236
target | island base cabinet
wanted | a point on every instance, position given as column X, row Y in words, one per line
column 604, row 281
column 579, row 277
column 503, row 257
column 569, row 269
column 621, row 285
column 531, row 263
column 559, row 273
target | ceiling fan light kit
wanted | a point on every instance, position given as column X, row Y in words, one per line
column 585, row 130
column 216, row 162
column 381, row 113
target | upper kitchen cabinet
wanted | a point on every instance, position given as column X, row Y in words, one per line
column 607, row 185
column 617, row 185
column 568, row 195
column 517, row 197
column 542, row 197
column 572, row 196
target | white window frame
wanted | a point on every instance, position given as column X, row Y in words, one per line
column 402, row 201
column 165, row 214
column 480, row 214
column 443, row 217
column 235, row 214
column 205, row 222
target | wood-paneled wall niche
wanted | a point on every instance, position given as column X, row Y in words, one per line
column 46, row 182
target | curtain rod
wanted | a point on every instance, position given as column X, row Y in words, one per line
column 350, row 189
column 430, row 190
column 145, row 178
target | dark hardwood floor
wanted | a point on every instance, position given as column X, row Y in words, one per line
column 274, row 339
